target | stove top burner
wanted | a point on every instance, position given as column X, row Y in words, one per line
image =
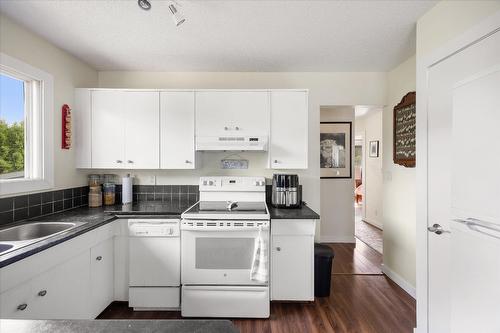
column 228, row 207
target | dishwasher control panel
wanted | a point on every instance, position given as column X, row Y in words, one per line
column 153, row 227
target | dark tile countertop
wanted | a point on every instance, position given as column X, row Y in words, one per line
column 301, row 213
column 92, row 218
column 112, row 326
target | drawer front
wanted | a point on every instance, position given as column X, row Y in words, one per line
column 154, row 297
column 293, row 227
column 225, row 301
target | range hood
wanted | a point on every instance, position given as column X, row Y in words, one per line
column 231, row 143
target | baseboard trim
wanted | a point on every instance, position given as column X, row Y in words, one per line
column 337, row 239
column 396, row 278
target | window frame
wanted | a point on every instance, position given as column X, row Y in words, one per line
column 39, row 128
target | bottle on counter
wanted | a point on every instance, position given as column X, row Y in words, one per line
column 95, row 193
column 109, row 189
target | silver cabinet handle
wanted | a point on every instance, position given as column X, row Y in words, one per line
column 278, row 249
column 129, row 161
column 119, row 161
column 437, row 229
column 237, row 128
column 276, row 161
column 22, row 307
column 42, row 293
column 188, row 161
column 98, row 258
column 226, row 128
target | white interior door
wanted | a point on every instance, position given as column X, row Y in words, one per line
column 142, row 129
column 443, row 78
column 177, row 149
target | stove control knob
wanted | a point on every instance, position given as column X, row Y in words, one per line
column 211, row 183
column 262, row 183
column 256, row 183
column 205, row 182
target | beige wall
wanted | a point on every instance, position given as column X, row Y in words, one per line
column 337, row 195
column 369, row 127
column 324, row 89
column 447, row 20
column 399, row 206
column 68, row 73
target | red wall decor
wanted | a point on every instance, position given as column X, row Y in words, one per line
column 66, row 126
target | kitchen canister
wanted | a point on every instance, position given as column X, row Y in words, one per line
column 127, row 189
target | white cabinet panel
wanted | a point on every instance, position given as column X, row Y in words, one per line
column 16, row 303
column 222, row 113
column 289, row 130
column 62, row 292
column 292, row 268
column 101, row 276
column 142, row 132
column 108, row 123
column 177, row 130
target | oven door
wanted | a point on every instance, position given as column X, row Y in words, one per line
column 220, row 253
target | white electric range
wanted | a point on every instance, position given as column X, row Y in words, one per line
column 218, row 239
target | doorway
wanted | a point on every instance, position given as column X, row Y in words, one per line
column 368, row 176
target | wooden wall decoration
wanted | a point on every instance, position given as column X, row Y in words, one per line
column 404, row 139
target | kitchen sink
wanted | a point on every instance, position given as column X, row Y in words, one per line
column 26, row 234
column 31, row 231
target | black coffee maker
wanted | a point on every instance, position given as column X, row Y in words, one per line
column 286, row 192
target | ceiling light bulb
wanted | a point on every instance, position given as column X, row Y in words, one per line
column 178, row 19
column 144, row 4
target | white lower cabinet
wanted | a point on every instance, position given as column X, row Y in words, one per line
column 292, row 260
column 77, row 285
column 101, row 276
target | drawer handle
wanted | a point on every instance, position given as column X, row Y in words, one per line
column 99, row 258
column 237, row 128
column 119, row 161
column 22, row 307
column 226, row 128
column 188, row 161
column 278, row 249
column 130, row 161
column 276, row 161
column 42, row 293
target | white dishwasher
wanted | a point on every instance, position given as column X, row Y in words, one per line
column 154, row 264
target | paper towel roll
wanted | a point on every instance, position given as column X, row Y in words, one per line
column 127, row 189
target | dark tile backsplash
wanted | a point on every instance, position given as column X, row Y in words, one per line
column 22, row 207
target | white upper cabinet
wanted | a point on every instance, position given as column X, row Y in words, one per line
column 177, row 150
column 125, row 130
column 142, row 132
column 108, row 122
column 289, row 129
column 229, row 113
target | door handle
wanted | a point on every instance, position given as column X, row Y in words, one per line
column 437, row 229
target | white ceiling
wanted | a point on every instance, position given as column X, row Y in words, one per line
column 228, row 35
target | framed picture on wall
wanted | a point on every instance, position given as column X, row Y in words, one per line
column 335, row 150
column 374, row 148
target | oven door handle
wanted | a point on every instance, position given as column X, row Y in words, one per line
column 219, row 229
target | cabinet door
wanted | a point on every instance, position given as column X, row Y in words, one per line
column 101, row 276
column 289, row 130
column 16, row 303
column 142, row 130
column 107, row 129
column 177, row 149
column 62, row 292
column 292, row 268
column 220, row 113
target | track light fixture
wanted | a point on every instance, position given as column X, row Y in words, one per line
column 178, row 18
column 176, row 15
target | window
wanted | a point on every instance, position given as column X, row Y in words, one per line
column 26, row 134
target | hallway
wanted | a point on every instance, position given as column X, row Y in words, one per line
column 367, row 233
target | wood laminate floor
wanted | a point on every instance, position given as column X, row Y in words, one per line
column 362, row 300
